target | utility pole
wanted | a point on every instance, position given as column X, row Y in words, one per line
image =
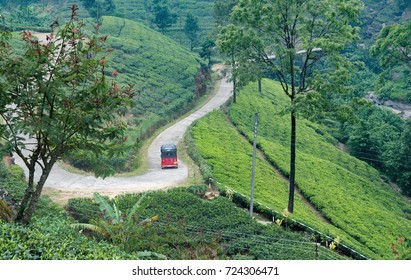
column 253, row 164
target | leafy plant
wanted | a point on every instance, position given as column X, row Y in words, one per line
column 115, row 226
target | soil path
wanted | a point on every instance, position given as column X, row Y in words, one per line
column 155, row 178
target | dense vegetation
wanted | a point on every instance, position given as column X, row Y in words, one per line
column 189, row 227
column 336, row 186
column 49, row 235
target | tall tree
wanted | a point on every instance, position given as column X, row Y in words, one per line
column 290, row 37
column 55, row 97
column 191, row 29
column 99, row 8
column 163, row 16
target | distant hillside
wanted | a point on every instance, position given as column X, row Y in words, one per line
column 163, row 72
column 141, row 10
column 377, row 14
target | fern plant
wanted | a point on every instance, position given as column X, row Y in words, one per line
column 115, row 226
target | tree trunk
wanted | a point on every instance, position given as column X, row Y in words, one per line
column 292, row 162
column 27, row 195
column 26, row 212
column 234, row 76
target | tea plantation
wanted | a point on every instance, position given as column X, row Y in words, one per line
column 355, row 204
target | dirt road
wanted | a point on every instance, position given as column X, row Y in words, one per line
column 155, row 178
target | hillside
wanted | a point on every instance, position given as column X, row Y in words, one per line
column 162, row 71
column 142, row 11
column 351, row 199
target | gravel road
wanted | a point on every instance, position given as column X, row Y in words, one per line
column 155, row 178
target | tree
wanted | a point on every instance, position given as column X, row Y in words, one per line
column 99, row 8
column 393, row 47
column 290, row 37
column 207, row 49
column 191, row 29
column 163, row 17
column 55, row 97
column 232, row 42
column 397, row 159
column 222, row 11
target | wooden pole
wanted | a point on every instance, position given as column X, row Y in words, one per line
column 253, row 164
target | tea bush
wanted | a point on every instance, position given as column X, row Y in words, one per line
column 192, row 228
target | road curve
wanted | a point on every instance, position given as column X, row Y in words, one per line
column 155, row 178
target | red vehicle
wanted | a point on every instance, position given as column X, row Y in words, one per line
column 169, row 156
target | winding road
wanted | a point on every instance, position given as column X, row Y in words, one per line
column 155, row 178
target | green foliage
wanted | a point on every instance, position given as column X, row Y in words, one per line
column 393, row 45
column 393, row 48
column 99, row 8
column 49, row 235
column 348, row 192
column 287, row 39
column 381, row 138
column 142, row 11
column 51, row 238
column 13, row 181
column 163, row 16
column 121, row 229
column 191, row 29
column 6, row 214
column 191, row 228
column 57, row 95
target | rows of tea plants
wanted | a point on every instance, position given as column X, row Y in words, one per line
column 189, row 227
column 162, row 71
column 228, row 156
column 139, row 10
column 49, row 236
column 347, row 191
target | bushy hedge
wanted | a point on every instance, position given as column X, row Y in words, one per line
column 49, row 235
column 31, row 243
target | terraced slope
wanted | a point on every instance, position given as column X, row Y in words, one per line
column 361, row 209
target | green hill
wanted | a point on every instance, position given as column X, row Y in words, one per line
column 347, row 198
column 141, row 10
column 162, row 71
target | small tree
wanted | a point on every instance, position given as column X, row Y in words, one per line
column 191, row 29
column 55, row 97
column 207, row 49
column 163, row 17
